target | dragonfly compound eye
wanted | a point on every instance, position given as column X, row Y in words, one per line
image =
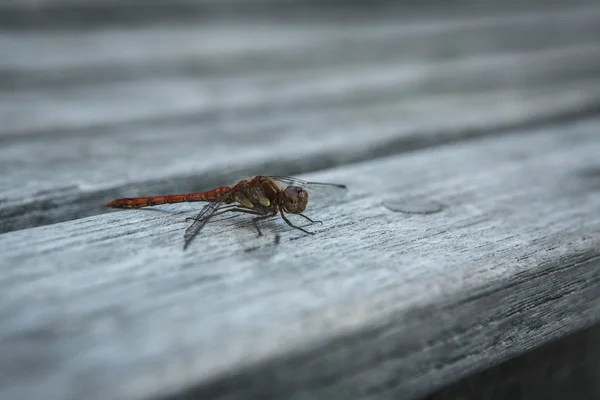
column 294, row 199
column 302, row 200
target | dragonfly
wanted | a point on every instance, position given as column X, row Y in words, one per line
column 261, row 196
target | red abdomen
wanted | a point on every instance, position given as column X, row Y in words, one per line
column 138, row 202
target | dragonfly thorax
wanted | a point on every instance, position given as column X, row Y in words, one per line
column 294, row 199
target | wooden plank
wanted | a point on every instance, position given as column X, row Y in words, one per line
column 61, row 14
column 393, row 82
column 563, row 369
column 378, row 304
column 289, row 104
column 234, row 64
column 228, row 46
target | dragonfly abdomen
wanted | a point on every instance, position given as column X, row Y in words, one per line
column 139, row 202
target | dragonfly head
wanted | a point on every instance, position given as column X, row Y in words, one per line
column 294, row 199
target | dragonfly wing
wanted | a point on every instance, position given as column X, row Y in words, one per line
column 289, row 181
column 293, row 181
column 316, row 190
column 203, row 217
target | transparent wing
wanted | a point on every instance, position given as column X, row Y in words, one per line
column 317, row 191
column 292, row 181
column 204, row 216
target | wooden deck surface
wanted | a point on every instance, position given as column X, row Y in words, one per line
column 469, row 234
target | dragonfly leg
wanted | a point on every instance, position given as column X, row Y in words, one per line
column 287, row 221
column 256, row 219
column 314, row 222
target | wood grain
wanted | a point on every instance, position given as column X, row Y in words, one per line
column 565, row 368
column 379, row 304
column 89, row 115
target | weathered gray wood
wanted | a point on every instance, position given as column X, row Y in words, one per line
column 563, row 369
column 379, row 304
column 95, row 114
